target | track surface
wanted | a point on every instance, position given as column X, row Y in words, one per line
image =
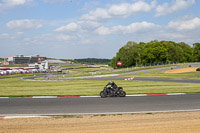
column 148, row 79
column 65, row 106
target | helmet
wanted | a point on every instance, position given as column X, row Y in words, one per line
column 110, row 82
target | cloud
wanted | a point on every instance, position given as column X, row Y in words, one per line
column 79, row 26
column 87, row 41
column 172, row 35
column 90, row 5
column 63, row 37
column 9, row 4
column 177, row 5
column 53, row 1
column 132, row 28
column 88, row 25
column 24, row 24
column 185, row 25
column 104, row 31
column 69, row 27
column 126, row 9
column 99, row 13
column 4, row 35
column 120, row 10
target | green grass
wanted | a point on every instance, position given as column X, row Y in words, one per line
column 72, row 66
column 86, row 72
column 19, row 87
column 162, row 74
column 24, row 75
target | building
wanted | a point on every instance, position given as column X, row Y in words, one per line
column 21, row 59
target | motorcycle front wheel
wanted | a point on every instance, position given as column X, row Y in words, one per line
column 122, row 93
column 103, row 94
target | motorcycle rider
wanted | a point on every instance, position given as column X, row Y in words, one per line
column 113, row 86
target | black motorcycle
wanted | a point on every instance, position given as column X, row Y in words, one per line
column 110, row 92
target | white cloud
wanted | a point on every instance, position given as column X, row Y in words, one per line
column 172, row 35
column 20, row 33
column 177, row 5
column 87, row 41
column 24, row 24
column 99, row 13
column 103, row 31
column 132, row 28
column 69, row 27
column 180, row 24
column 63, row 37
column 126, row 9
column 121, row 10
column 79, row 26
column 88, row 25
column 8, row 4
column 4, row 35
column 53, row 1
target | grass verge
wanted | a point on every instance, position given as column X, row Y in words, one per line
column 17, row 87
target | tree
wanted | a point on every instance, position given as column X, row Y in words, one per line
column 133, row 54
column 186, row 55
column 126, row 54
column 154, row 52
column 196, row 52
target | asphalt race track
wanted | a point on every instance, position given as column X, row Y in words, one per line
column 96, row 105
column 147, row 79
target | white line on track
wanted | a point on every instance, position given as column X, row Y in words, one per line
column 13, row 117
column 5, row 116
column 170, row 94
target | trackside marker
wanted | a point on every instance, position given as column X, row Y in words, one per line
column 89, row 96
column 44, row 97
column 66, row 96
column 139, row 95
column 1, row 117
column 21, row 97
column 173, row 94
column 131, row 78
column 155, row 94
column 192, row 93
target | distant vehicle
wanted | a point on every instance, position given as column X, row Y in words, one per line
column 112, row 91
column 1, row 72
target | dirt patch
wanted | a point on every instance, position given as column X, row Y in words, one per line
column 72, row 72
column 182, row 122
column 182, row 70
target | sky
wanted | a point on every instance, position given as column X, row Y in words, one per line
column 71, row 29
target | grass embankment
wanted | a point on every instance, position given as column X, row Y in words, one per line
column 18, row 87
column 162, row 74
column 85, row 72
column 23, row 75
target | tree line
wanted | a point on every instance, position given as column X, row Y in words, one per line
column 93, row 60
column 136, row 54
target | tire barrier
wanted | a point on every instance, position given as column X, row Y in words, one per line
column 131, row 78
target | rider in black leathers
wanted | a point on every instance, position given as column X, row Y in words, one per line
column 113, row 86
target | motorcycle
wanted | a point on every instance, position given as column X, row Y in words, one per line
column 110, row 92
